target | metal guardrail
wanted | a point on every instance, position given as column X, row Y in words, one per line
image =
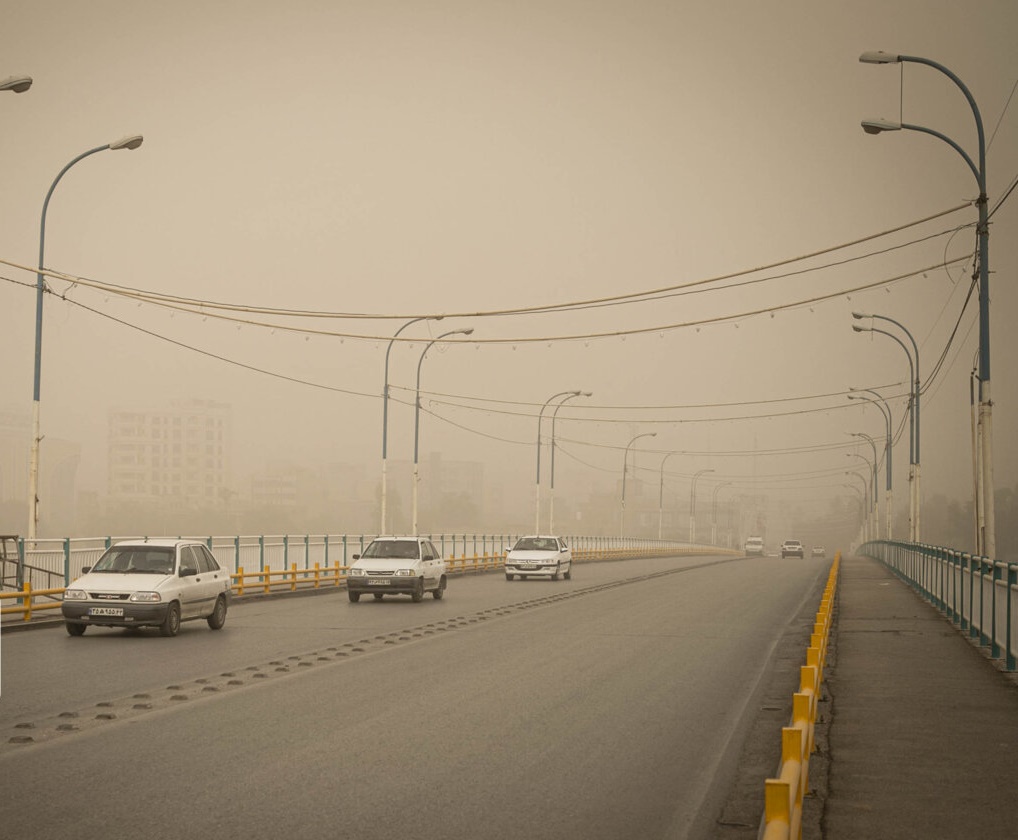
column 783, row 796
column 979, row 596
column 265, row 578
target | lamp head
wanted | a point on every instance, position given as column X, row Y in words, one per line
column 586, row 393
column 467, row 331
column 878, row 126
column 879, row 57
column 860, row 315
column 132, row 141
column 19, row 84
column 857, row 328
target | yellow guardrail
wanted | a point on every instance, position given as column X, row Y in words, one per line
column 783, row 795
column 267, row 580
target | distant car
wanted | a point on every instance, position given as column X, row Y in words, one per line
column 754, row 546
column 539, row 556
column 397, row 566
column 818, row 551
column 792, row 548
column 149, row 583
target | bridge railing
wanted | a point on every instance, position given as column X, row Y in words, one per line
column 978, row 595
column 264, row 564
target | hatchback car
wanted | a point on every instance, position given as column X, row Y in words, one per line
column 547, row 557
column 149, row 583
column 397, row 566
column 792, row 548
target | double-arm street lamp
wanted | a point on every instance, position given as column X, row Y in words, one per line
column 987, row 544
column 885, row 411
column 876, row 462
column 19, row 84
column 130, row 142
column 872, row 531
column 551, row 478
column 692, row 505
column 385, row 412
column 537, row 483
column 625, row 466
column 914, row 416
column 417, row 413
column 865, row 503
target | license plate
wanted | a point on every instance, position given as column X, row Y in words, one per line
column 528, row 565
column 115, row 611
column 382, row 582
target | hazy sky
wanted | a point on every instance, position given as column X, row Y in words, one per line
column 400, row 159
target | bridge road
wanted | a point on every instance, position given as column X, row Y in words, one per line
column 614, row 705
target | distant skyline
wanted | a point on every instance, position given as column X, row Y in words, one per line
column 389, row 160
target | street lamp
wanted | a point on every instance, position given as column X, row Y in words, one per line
column 914, row 427
column 692, row 505
column 866, row 502
column 19, row 84
column 537, row 483
column 873, row 446
column 862, row 514
column 129, row 142
column 871, row 515
column 385, row 411
column 714, row 513
column 551, row 492
column 885, row 411
column 661, row 495
column 417, row 413
column 625, row 463
column 988, row 544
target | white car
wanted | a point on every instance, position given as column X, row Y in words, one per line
column 397, row 566
column 754, row 546
column 149, row 583
column 547, row 557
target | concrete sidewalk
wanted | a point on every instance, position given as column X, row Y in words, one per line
column 921, row 739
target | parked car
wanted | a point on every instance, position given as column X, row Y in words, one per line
column 149, row 583
column 792, row 548
column 818, row 551
column 397, row 566
column 539, row 556
column 754, row 546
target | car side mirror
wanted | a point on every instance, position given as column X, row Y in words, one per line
column 188, row 572
column 86, row 569
column 356, row 557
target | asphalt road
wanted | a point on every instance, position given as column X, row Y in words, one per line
column 616, row 705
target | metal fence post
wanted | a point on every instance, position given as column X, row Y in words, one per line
column 1012, row 581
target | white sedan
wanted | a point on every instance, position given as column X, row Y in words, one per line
column 547, row 557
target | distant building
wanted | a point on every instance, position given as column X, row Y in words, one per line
column 181, row 453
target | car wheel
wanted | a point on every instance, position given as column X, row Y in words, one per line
column 353, row 596
column 171, row 624
column 377, row 596
column 568, row 574
column 439, row 593
column 74, row 629
column 555, row 574
column 509, row 577
column 418, row 594
column 218, row 617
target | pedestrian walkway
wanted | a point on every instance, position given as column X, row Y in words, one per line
column 923, row 733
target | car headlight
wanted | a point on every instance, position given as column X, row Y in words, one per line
column 405, row 572
column 355, row 572
column 146, row 597
column 75, row 595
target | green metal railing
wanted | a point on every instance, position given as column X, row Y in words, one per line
column 978, row 595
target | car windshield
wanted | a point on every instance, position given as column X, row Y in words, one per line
column 396, row 549
column 536, row 544
column 136, row 560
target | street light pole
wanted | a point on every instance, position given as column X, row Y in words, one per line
column 417, row 414
column 876, row 459
column 551, row 490
column 988, row 543
column 692, row 505
column 913, row 455
column 714, row 513
column 871, row 515
column 625, row 464
column 661, row 495
column 537, row 482
column 885, row 411
column 866, row 502
column 130, row 142
column 385, row 413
